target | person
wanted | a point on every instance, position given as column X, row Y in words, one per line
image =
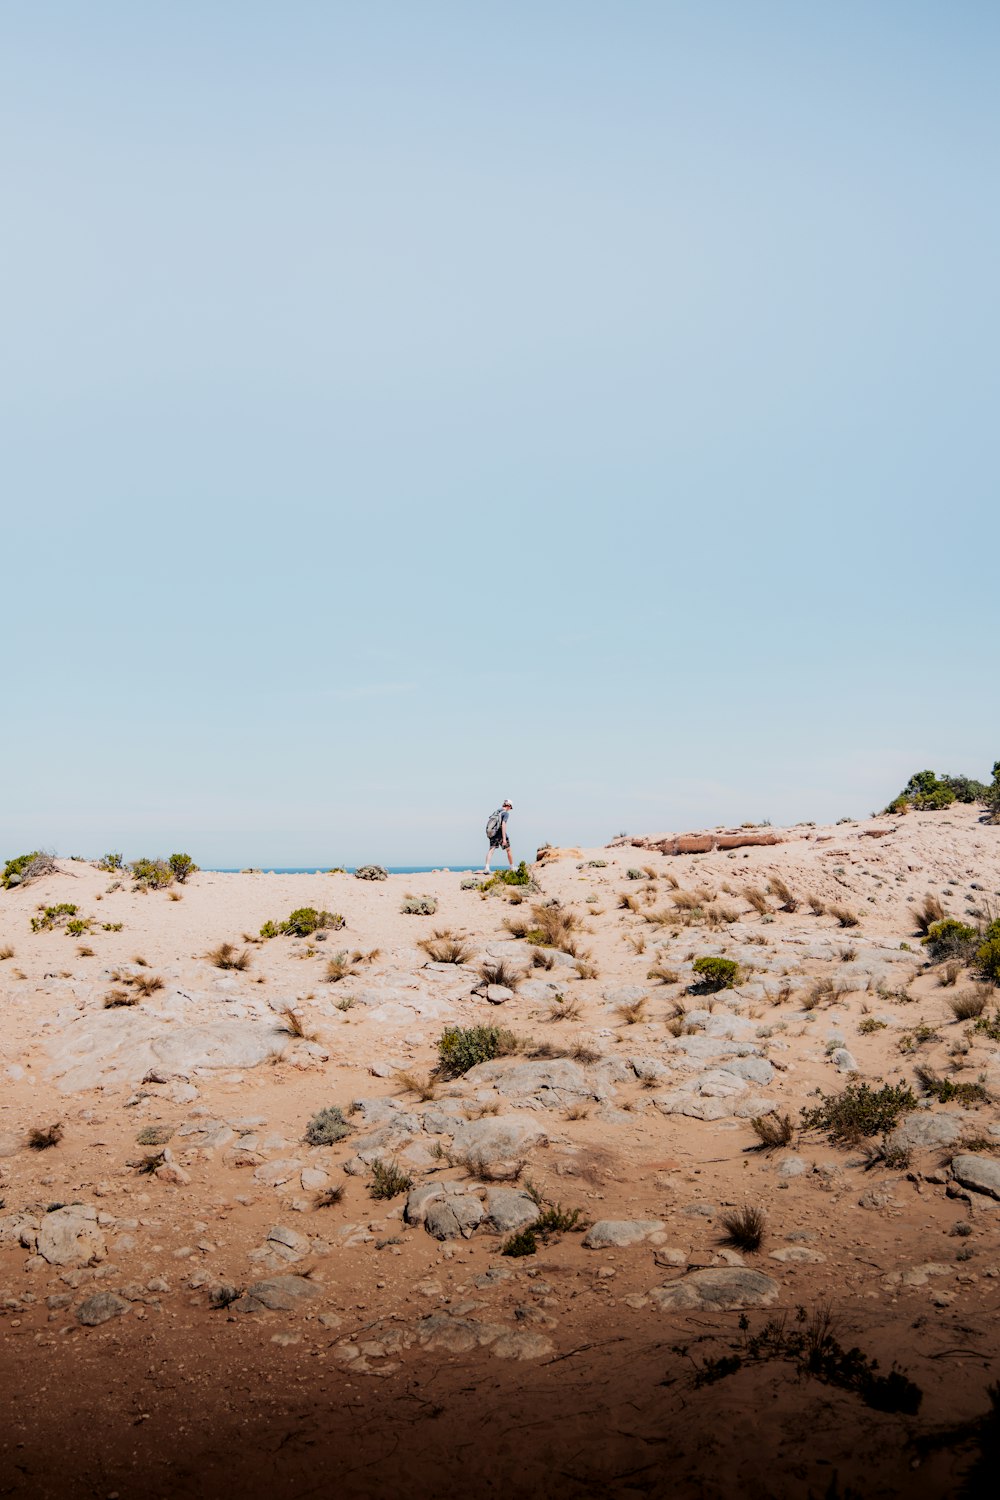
column 499, row 840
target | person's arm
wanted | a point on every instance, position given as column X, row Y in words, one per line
column 503, row 825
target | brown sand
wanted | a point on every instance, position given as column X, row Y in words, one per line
column 589, row 1386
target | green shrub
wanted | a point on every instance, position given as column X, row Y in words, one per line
column 270, row 929
column 859, row 1110
column 388, row 1180
column 307, row 920
column 950, row 938
column 462, row 1047
column 111, row 863
column 419, row 906
column 633, row 874
column 597, row 864
column 25, row 867
column 716, row 974
column 152, row 874
column 520, row 876
column 78, row 926
column 111, row 926
column 182, row 865
column 945, row 1090
column 989, row 1026
column 988, row 954
column 371, row 872
column 327, row 1127
column 870, row 1024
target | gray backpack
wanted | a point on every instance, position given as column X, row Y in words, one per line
column 494, row 823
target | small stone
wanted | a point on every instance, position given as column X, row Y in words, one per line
column 99, row 1308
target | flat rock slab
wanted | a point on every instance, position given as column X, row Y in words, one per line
column 497, row 1138
column 922, row 1130
column 278, row 1294
column 609, row 1234
column 981, row 1173
column 721, row 1288
column 508, row 1209
column 119, row 1047
column 453, row 1215
column 551, row 1082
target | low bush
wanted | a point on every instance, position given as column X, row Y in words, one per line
column 715, row 974
column 25, row 867
column 151, row 874
column 111, row 863
column 78, row 926
column 303, row 923
column 181, row 866
column 43, row 1139
column 968, row 1005
column 989, row 1026
column 949, row 938
column 326, row 1127
column 462, row 1047
column 371, row 872
column 552, row 1220
column 870, row 1024
column 419, row 906
column 859, row 1111
column 945, row 1090
column 988, row 954
column 520, row 876
column 634, row 874
column 772, row 1131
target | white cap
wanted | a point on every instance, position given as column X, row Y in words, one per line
column 508, row 803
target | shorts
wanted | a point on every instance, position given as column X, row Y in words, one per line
column 498, row 842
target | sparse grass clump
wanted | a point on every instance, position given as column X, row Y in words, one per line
column 290, row 1023
column 424, row 1088
column 419, row 906
column 327, row 1197
column 869, row 1025
column 553, row 1220
column 745, row 1227
column 816, row 906
column 41, row 1139
column 772, row 1131
column 778, row 888
column 445, row 947
column 6, row 952
column 147, row 984
column 326, row 1127
column 927, row 913
column 968, row 1005
column 755, row 896
column 630, row 1012
column 859, row 1111
column 340, row 966
column 499, row 971
column 228, row 956
column 116, row 999
column 388, row 1180
column 562, row 1009
column 945, row 1090
column 715, row 974
column 663, row 974
column 462, row 1047
column 989, row 1026
column 845, row 917
column 950, row 973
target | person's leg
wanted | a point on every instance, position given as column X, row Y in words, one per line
column 489, row 856
column 510, row 857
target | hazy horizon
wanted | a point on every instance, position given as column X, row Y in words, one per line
column 408, row 407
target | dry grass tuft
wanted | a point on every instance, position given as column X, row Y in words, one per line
column 632, row 1011
column 114, row 999
column 339, row 967
column 926, row 913
column 585, row 967
column 84, row 952
column 290, row 1023
column 577, row 1112
column 636, row 942
column 772, row 1131
column 228, row 956
column 663, row 975
column 777, row 887
column 628, row 902
column 424, row 1088
column 686, row 900
column 967, row 1006
column 6, row 952
column 563, row 1010
column 147, row 984
column 542, row 960
column 755, row 896
column 499, row 971
column 844, row 916
column 816, row 906
column 328, row 1196
column 42, row 1139
column 949, row 973
column 140, row 962
column 745, row 1227
column 446, row 947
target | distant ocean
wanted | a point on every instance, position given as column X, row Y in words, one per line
column 318, row 870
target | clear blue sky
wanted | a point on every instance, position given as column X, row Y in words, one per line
column 403, row 406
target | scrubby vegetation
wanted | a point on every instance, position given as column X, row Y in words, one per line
column 772, row 1131
column 945, row 1090
column 744, row 1227
column 371, row 872
column 326, row 1127
column 151, row 874
column 388, row 1180
column 859, row 1111
column 228, row 956
column 111, row 863
column 303, row 923
column 988, row 954
column 340, row 966
column 715, row 974
column 25, row 867
column 926, row 791
column 181, row 866
column 462, row 1047
column 520, row 876
column 949, row 938
column 53, row 916
column 46, row 1137
column 552, row 1220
